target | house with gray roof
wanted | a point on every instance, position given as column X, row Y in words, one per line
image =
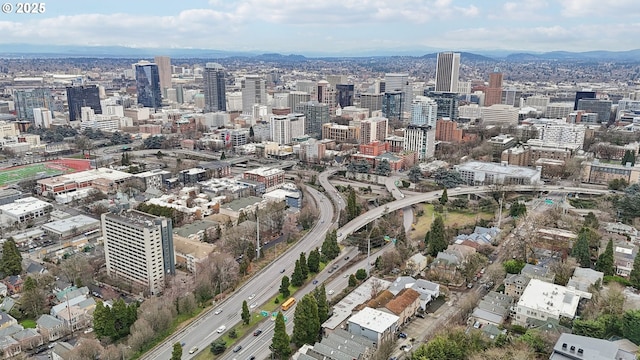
column 61, row 351
column 583, row 278
column 571, row 346
column 28, row 338
column 9, row 347
column 493, row 309
column 51, row 328
column 428, row 290
column 11, row 329
column 480, row 236
column 7, row 304
column 6, row 320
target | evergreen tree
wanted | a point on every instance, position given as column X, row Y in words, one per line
column 304, row 268
column 634, row 276
column 361, row 274
column 580, row 251
column 606, row 263
column 223, row 156
column 280, row 341
column 330, row 247
column 103, row 322
column 444, row 198
column 590, row 220
column 415, row 175
column 353, row 210
column 11, row 262
column 296, row 278
column 352, row 280
column 176, row 354
column 284, row 287
column 631, row 325
column 436, row 237
column 251, row 133
column 628, row 157
column 323, row 305
column 306, row 323
column 246, row 316
column 313, row 262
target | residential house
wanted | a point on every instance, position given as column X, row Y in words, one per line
column 514, row 285
column 428, row 290
column 7, row 304
column 4, row 290
column 61, row 351
column 583, row 278
column 571, row 346
column 14, row 284
column 416, row 264
column 493, row 309
column 29, row 338
column 6, row 320
column 624, row 254
column 375, row 325
column 620, row 228
column 51, row 328
column 9, row 347
column 11, row 330
column 480, row 236
column 542, row 273
column 542, row 300
column 404, row 305
column 338, row 344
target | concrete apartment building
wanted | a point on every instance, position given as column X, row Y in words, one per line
column 595, row 172
column 139, row 247
column 271, row 178
column 373, row 129
column 543, row 301
column 420, row 139
column 341, row 133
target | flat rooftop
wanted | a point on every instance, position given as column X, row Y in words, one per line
column 87, row 176
column 496, row 168
column 374, row 319
column 64, row 225
column 24, row 206
column 553, row 299
column 361, row 294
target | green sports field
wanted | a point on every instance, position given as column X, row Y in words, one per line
column 25, row 172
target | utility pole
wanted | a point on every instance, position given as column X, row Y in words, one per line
column 257, row 236
column 368, row 255
column 500, row 211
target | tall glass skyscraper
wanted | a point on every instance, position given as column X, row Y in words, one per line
column 447, row 70
column 215, row 98
column 27, row 100
column 392, row 105
column 148, row 85
column 83, row 96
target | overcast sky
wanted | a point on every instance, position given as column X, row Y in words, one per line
column 299, row 26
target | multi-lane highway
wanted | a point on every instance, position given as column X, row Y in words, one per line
column 265, row 284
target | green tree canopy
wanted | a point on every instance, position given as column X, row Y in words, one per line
column 590, row 220
column 631, row 326
column 297, row 279
column 323, row 304
column 176, row 354
column 352, row 281
column 435, row 239
column 628, row 157
column 11, row 261
column 414, row 174
column 517, row 209
column 306, row 322
column 218, row 346
column 513, row 266
column 284, row 287
column 246, row 316
column 304, row 267
column 361, row 274
column 330, row 247
column 444, row 198
column 313, row 262
column 581, row 252
column 606, row 262
column 634, row 276
column 280, row 341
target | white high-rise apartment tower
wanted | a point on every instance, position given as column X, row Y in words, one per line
column 447, row 72
column 424, row 111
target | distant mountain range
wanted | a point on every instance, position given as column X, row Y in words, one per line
column 61, row 51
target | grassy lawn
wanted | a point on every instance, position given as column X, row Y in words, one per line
column 25, row 172
column 28, row 324
column 451, row 219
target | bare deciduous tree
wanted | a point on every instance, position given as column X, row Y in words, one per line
column 86, row 349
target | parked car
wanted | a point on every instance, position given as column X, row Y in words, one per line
column 402, row 335
column 420, row 315
column 315, row 282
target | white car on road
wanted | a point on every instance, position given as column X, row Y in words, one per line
column 221, row 329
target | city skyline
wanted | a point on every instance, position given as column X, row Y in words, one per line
column 331, row 27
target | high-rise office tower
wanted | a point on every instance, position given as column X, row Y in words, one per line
column 164, row 70
column 493, row 93
column 139, row 247
column 400, row 83
column 315, row 114
column 392, row 105
column 344, row 94
column 27, row 100
column 148, row 84
column 373, row 102
column 83, row 96
column 585, row 94
column 600, row 107
column 296, row 97
column 447, row 103
column 424, row 111
column 42, row 118
column 284, row 128
column 254, row 91
column 215, row 98
column 447, row 70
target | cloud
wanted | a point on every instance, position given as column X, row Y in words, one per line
column 615, row 8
